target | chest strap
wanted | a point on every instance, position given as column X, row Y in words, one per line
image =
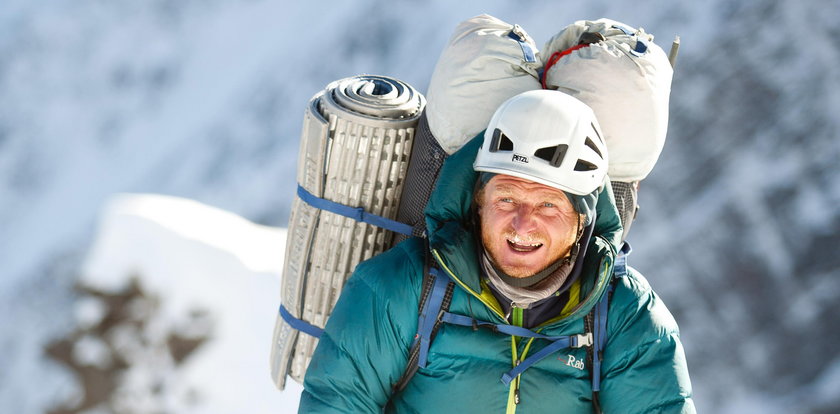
column 557, row 342
column 432, row 314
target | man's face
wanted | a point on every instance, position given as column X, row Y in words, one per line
column 525, row 226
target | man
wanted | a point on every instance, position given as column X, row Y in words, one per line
column 526, row 228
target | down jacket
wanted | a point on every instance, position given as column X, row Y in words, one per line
column 365, row 346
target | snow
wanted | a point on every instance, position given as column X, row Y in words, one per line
column 90, row 350
column 192, row 256
column 89, row 312
column 203, row 100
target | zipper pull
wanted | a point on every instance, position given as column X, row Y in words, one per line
column 516, row 387
column 516, row 394
column 510, row 309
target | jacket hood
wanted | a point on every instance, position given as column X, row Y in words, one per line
column 450, row 229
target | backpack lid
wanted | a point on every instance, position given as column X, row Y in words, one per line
column 625, row 78
column 485, row 62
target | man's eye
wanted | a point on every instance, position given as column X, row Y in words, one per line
column 548, row 204
column 505, row 200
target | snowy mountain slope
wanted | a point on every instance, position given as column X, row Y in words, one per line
column 738, row 225
column 749, row 188
column 176, row 301
column 194, row 259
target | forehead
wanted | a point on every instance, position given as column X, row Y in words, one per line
column 505, row 184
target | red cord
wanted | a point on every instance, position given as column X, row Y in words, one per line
column 555, row 57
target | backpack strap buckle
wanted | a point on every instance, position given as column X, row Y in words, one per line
column 581, row 340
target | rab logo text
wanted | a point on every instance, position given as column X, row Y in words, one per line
column 574, row 362
column 520, row 158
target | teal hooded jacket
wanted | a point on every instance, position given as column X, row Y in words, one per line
column 364, row 349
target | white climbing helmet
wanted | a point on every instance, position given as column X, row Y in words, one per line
column 548, row 137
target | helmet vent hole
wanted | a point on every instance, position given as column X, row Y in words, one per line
column 593, row 147
column 597, row 134
column 500, row 142
column 554, row 155
column 585, row 166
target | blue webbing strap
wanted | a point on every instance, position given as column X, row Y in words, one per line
column 430, row 313
column 600, row 319
column 600, row 336
column 533, row 359
column 575, row 341
column 355, row 213
column 558, row 342
column 300, row 324
column 527, row 52
column 620, row 267
column 641, row 44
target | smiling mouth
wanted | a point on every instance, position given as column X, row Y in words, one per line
column 524, row 247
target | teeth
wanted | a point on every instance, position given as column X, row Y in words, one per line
column 522, row 246
column 516, row 240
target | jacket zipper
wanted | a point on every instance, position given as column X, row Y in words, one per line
column 513, row 394
column 517, row 319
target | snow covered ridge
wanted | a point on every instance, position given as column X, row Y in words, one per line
column 191, row 259
column 149, row 223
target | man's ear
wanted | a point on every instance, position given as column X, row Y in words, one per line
column 581, row 227
column 478, row 199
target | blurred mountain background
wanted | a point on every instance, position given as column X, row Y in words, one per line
column 739, row 224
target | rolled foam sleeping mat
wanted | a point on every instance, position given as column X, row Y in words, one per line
column 355, row 147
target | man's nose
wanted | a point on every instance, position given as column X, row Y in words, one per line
column 524, row 221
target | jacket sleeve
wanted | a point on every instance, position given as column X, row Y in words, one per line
column 364, row 348
column 644, row 367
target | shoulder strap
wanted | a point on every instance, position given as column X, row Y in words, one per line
column 598, row 318
column 596, row 322
column 434, row 302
